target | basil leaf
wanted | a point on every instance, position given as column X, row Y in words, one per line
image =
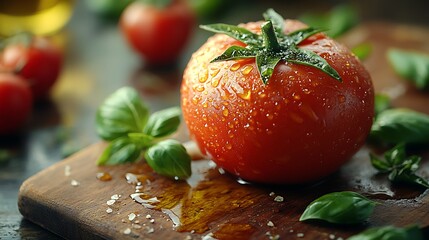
column 121, row 150
column 401, row 125
column 381, row 103
column 121, row 113
column 410, row 178
column 163, row 123
column 400, row 167
column 340, row 208
column 169, row 158
column 339, row 20
column 143, row 139
column 411, row 66
column 362, row 51
column 380, row 165
column 396, row 155
column 389, row 233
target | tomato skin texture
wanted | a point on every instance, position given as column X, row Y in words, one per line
column 16, row 103
column 300, row 127
column 158, row 35
column 39, row 63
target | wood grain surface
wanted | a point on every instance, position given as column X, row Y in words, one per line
column 69, row 200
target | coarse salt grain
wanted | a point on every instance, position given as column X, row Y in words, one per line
column 270, row 224
column 188, row 237
column 109, row 210
column 127, row 231
column 110, row 202
column 152, row 220
column 278, row 199
column 148, row 216
column 137, row 226
column 115, row 197
column 74, row 183
column 331, row 236
column 340, row 238
column 300, row 235
column 150, row 230
column 272, row 194
column 131, row 216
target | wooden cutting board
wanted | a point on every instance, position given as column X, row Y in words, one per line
column 69, row 200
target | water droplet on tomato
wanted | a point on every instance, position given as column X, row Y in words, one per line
column 196, row 99
column 225, row 112
column 228, row 146
column 296, row 96
column 215, row 82
column 214, row 71
column 247, row 69
column 245, row 95
column 306, row 91
column 203, row 76
column 269, row 116
column 234, row 67
column 230, row 125
column 198, row 88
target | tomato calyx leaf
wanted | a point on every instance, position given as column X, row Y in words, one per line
column 271, row 46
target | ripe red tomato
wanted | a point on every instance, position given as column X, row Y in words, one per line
column 299, row 127
column 39, row 63
column 158, row 34
column 15, row 103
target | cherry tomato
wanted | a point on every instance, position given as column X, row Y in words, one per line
column 15, row 103
column 158, row 34
column 38, row 62
column 299, row 127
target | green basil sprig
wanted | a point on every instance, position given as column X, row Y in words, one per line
column 411, row 66
column 124, row 120
column 400, row 125
column 390, row 233
column 340, row 208
column 399, row 167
